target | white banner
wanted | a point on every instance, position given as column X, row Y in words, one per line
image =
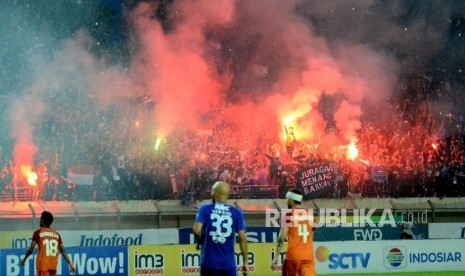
column 81, row 174
column 22, row 239
column 389, row 256
column 446, row 230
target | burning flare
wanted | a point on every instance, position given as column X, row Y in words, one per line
column 157, row 143
column 352, row 151
column 31, row 176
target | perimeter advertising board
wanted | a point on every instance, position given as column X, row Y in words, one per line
column 87, row 261
column 95, row 238
column 447, row 230
column 324, row 233
column 330, row 258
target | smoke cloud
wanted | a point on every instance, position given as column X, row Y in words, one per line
column 261, row 64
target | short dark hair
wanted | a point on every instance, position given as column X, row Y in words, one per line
column 297, row 191
column 47, row 217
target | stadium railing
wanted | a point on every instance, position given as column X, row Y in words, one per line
column 150, row 214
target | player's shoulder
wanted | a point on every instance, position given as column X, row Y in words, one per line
column 225, row 207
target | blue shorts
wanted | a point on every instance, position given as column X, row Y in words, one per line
column 206, row 271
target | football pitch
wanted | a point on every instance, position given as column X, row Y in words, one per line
column 431, row 273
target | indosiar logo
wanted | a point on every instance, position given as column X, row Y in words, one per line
column 435, row 257
column 342, row 260
column 395, row 257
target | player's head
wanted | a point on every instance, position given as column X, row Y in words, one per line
column 46, row 219
column 220, row 191
column 294, row 197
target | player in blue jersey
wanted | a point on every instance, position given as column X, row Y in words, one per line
column 215, row 227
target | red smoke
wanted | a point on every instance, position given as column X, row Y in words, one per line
column 179, row 69
column 258, row 60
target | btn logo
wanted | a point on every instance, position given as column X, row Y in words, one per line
column 395, row 257
column 342, row 260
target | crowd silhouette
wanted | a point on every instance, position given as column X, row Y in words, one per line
column 418, row 152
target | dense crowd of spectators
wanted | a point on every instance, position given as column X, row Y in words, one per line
column 418, row 153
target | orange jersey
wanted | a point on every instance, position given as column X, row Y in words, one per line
column 300, row 237
column 48, row 241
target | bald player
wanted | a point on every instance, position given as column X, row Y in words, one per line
column 214, row 229
column 299, row 234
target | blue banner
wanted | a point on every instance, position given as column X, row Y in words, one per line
column 324, row 233
column 367, row 233
column 87, row 261
column 254, row 234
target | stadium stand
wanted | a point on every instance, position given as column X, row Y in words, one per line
column 151, row 214
column 447, row 209
column 369, row 203
column 410, row 204
column 173, row 214
column 334, row 204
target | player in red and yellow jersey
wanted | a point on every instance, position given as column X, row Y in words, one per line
column 298, row 230
column 290, row 142
column 49, row 243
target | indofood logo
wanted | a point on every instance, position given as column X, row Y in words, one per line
column 395, row 257
column 345, row 260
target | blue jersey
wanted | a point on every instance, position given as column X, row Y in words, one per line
column 220, row 223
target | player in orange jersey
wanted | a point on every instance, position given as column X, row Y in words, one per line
column 298, row 229
column 49, row 243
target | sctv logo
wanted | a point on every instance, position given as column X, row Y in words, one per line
column 342, row 260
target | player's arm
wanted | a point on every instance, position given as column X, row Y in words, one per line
column 65, row 255
column 242, row 238
column 197, row 230
column 279, row 245
column 29, row 252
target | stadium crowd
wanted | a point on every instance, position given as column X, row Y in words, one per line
column 419, row 153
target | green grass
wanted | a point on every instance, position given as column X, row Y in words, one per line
column 432, row 273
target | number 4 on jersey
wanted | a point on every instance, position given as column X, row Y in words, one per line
column 303, row 232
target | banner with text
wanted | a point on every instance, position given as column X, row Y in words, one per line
column 389, row 256
column 330, row 258
column 324, row 233
column 22, row 239
column 86, row 261
column 320, row 180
